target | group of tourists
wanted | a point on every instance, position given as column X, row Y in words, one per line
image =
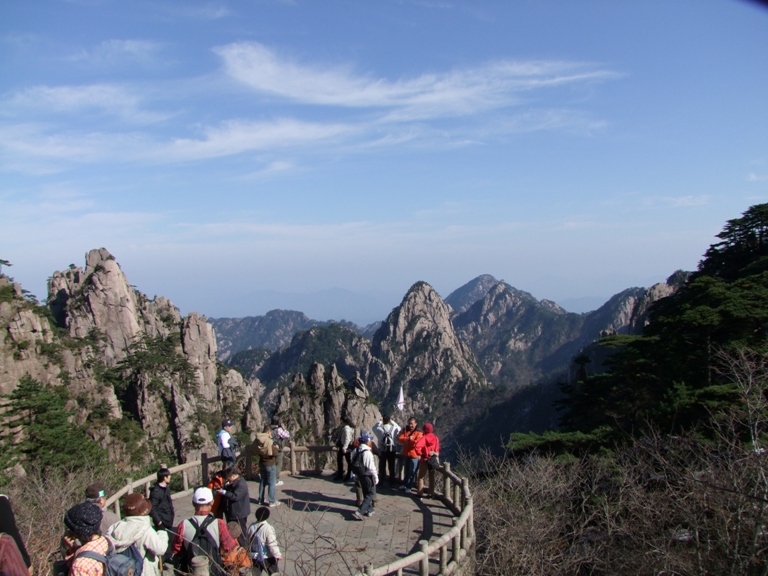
column 419, row 452
column 97, row 543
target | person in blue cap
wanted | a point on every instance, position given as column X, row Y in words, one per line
column 364, row 467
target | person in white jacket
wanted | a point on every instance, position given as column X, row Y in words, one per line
column 364, row 467
column 136, row 528
column 266, row 558
column 387, row 431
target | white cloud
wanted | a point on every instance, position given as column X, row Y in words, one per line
column 114, row 51
column 106, row 98
column 752, row 177
column 456, row 93
column 235, row 137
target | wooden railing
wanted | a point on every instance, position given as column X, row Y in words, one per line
column 451, row 548
column 147, row 482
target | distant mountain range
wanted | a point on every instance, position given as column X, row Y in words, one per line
column 456, row 359
column 515, row 338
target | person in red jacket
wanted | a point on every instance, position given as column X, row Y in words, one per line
column 426, row 447
column 408, row 438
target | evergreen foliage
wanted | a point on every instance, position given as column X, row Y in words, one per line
column 671, row 378
column 48, row 439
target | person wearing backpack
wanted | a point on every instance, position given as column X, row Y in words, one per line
column 267, row 452
column 364, row 467
column 387, row 431
column 83, row 523
column 265, row 552
column 202, row 535
column 136, row 531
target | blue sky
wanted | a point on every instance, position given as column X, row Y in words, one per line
column 241, row 156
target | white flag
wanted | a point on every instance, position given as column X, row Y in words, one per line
column 400, row 399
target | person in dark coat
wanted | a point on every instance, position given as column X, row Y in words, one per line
column 237, row 502
column 162, row 506
column 162, row 512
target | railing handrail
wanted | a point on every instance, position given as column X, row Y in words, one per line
column 131, row 484
column 461, row 535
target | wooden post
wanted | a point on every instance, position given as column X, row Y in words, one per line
column 471, row 519
column 457, row 496
column 204, row 466
column 443, row 559
column 185, row 479
column 424, row 563
column 455, row 541
column 200, row 566
column 369, row 568
column 447, row 482
column 294, row 472
column 318, row 466
column 464, row 490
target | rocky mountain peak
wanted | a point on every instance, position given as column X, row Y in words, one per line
column 417, row 347
column 463, row 297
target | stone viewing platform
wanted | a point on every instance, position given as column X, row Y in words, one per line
column 317, row 534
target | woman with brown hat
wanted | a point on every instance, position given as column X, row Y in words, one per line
column 136, row 528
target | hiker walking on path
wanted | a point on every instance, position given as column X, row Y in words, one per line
column 345, row 437
column 202, row 534
column 96, row 493
column 264, row 549
column 267, row 451
column 279, row 436
column 83, row 522
column 237, row 502
column 408, row 438
column 364, row 467
column 227, row 444
column 428, row 449
column 387, row 431
column 136, row 529
column 162, row 512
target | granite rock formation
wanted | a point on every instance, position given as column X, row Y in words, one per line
column 417, row 348
column 128, row 357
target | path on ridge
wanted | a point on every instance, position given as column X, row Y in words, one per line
column 317, row 535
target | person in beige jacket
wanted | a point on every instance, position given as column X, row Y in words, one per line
column 136, row 528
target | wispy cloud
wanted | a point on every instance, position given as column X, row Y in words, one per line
column 752, row 177
column 455, row 93
column 121, row 51
column 105, row 98
column 235, row 137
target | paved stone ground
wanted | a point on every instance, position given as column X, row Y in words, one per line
column 318, row 536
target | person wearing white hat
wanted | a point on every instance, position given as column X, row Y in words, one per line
column 216, row 530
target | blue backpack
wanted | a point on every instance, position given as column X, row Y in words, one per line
column 129, row 562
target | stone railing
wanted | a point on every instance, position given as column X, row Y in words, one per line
column 453, row 549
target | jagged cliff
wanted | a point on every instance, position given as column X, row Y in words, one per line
column 125, row 357
column 314, row 406
column 417, row 348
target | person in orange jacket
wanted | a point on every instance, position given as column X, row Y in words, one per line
column 408, row 438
